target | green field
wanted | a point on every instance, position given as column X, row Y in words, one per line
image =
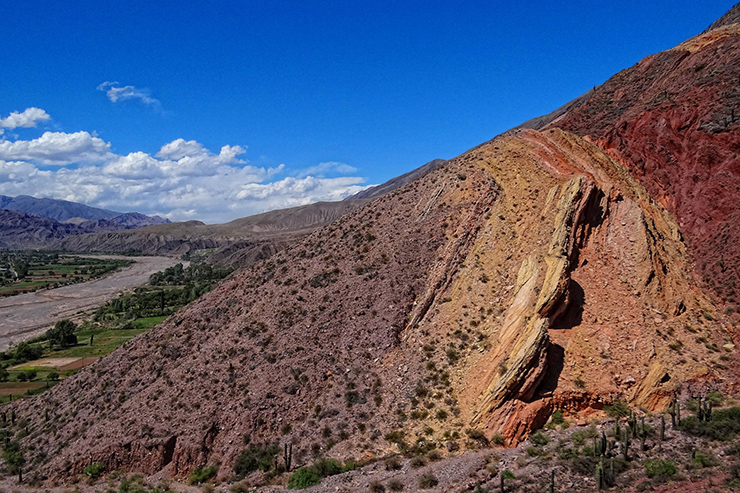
column 24, row 271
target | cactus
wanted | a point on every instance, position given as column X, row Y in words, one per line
column 678, row 412
column 288, row 455
column 602, row 448
column 600, row 475
column 552, row 481
column 502, row 482
column 662, row 427
column 626, row 444
column 616, row 429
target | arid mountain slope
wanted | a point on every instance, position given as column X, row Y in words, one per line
column 673, row 120
column 21, row 230
column 527, row 274
column 28, row 222
column 532, row 273
column 242, row 241
column 236, row 242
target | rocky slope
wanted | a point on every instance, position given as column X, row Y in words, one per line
column 28, row 222
column 541, row 270
column 673, row 120
column 243, row 241
column 19, row 230
column 525, row 275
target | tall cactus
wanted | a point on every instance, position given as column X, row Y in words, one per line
column 626, row 443
column 600, row 475
column 288, row 455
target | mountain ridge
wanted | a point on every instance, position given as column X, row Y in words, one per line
column 543, row 270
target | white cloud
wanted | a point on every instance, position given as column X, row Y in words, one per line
column 330, row 167
column 116, row 92
column 57, row 148
column 198, row 186
column 183, row 180
column 26, row 119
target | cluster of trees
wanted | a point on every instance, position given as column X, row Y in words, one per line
column 169, row 290
column 62, row 334
column 194, row 273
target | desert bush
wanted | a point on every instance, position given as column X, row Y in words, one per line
column 580, row 436
column 659, row 468
column 255, row 457
column 428, row 480
column 94, row 470
column 304, row 477
column 395, row 485
column 392, row 464
column 201, row 475
column 418, row 462
column 376, row 487
column 617, row 409
column 723, row 425
column 327, row 467
column 539, row 438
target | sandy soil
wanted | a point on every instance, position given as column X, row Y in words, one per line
column 27, row 315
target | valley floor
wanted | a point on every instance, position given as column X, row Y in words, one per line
column 28, row 315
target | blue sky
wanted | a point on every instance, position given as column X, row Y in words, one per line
column 218, row 110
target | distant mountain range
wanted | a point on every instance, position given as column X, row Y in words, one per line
column 239, row 242
column 29, row 222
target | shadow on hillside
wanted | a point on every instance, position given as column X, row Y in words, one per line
column 573, row 316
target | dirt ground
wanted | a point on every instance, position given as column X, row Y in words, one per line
column 27, row 315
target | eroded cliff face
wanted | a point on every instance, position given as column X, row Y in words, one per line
column 579, row 288
column 529, row 274
column 538, row 271
column 673, row 120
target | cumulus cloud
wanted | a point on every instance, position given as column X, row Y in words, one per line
column 330, row 167
column 57, row 148
column 28, row 118
column 184, row 180
column 116, row 92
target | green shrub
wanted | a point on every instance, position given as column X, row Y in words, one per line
column 94, row 470
column 580, row 436
column 327, row 467
column 428, row 480
column 498, row 439
column 715, row 398
column 395, row 485
column 617, row 409
column 659, row 468
column 534, row 451
column 557, row 420
column 508, row 474
column 704, row 460
column 255, row 457
column 724, row 425
column 201, row 475
column 539, row 439
column 304, row 477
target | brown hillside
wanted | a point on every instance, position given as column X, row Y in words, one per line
column 674, row 121
column 541, row 270
column 528, row 274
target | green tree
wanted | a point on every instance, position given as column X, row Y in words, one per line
column 62, row 334
column 14, row 460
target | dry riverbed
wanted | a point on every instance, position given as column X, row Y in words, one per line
column 28, row 315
